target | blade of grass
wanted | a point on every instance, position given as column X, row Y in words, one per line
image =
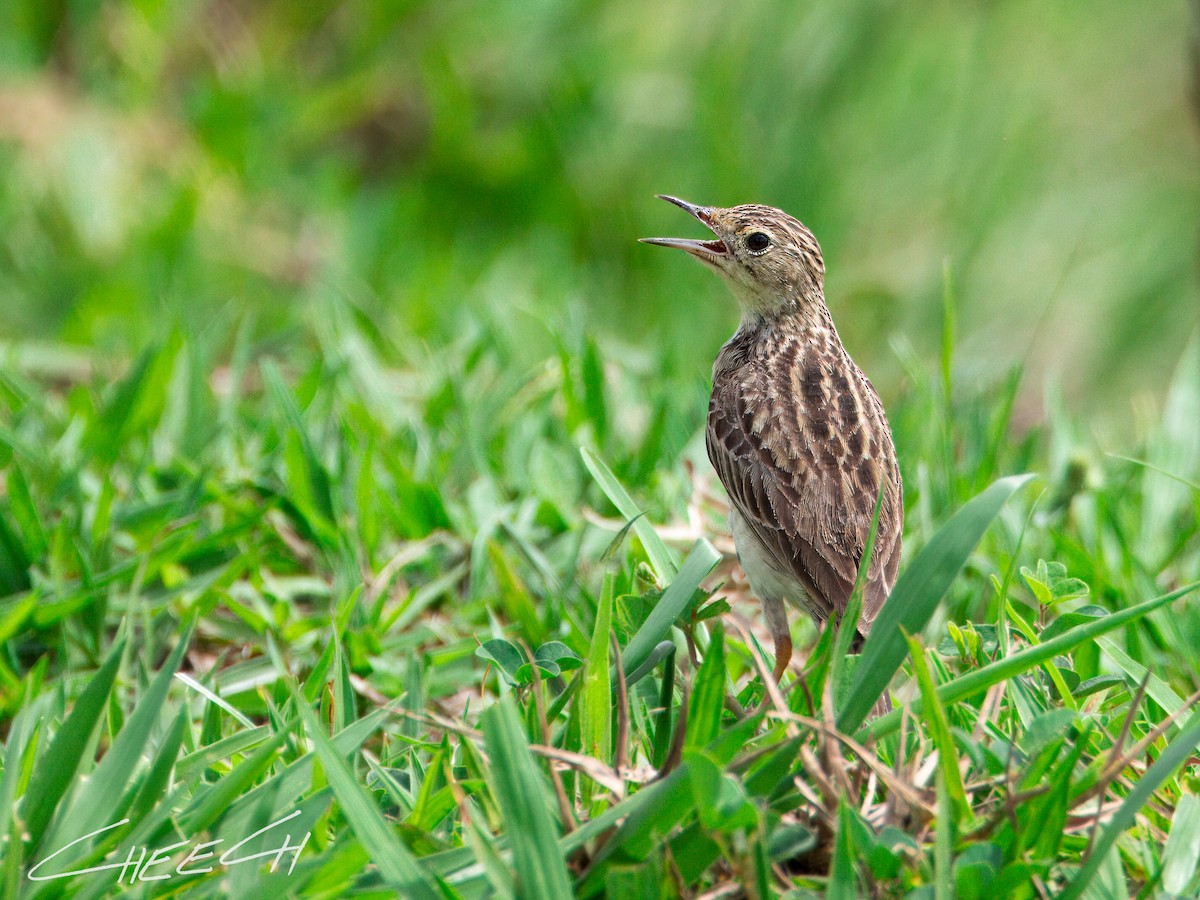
column 1171, row 758
column 939, row 727
column 1182, row 852
column 916, row 596
column 214, row 698
column 95, row 802
column 523, row 797
column 943, row 842
column 708, row 695
column 1156, row 689
column 843, row 885
column 596, row 702
column 675, row 598
column 1048, row 666
column 400, row 869
column 56, row 769
column 982, row 678
column 662, row 558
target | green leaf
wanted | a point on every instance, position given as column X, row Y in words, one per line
column 107, row 431
column 660, row 652
column 524, row 800
column 1067, row 621
column 916, row 595
column 675, row 598
column 25, row 512
column 640, row 822
column 1156, row 689
column 721, row 802
column 553, row 658
column 559, row 654
column 1051, row 585
column 943, row 841
column 975, row 871
column 14, row 561
column 664, row 720
column 1099, row 683
column 506, row 655
column 215, row 799
column 1047, row 815
column 312, row 491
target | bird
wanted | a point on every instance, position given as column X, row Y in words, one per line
column 795, row 431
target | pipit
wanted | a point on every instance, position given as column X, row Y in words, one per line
column 795, row 431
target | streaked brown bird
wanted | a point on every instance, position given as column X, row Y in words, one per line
column 795, row 430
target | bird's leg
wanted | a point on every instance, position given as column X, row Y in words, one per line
column 775, row 612
column 783, row 654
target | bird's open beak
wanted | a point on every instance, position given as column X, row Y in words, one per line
column 709, row 251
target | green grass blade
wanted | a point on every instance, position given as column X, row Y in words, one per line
column 707, row 702
column 675, row 598
column 596, row 702
column 939, row 727
column 56, row 769
column 1156, row 689
column 1171, row 758
column 215, row 799
column 843, row 884
column 311, row 485
column 524, row 800
column 662, row 558
column 1048, row 813
column 214, row 698
column 664, row 721
column 192, row 765
column 400, row 869
column 943, row 842
column 641, row 821
column 661, row 651
column 1006, row 667
column 1048, row 666
column 1182, row 853
column 157, row 779
column 94, row 805
column 917, row 594
column 274, row 793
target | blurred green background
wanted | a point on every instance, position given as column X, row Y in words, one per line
column 448, row 167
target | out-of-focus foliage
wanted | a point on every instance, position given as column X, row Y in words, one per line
column 308, row 309
column 436, row 164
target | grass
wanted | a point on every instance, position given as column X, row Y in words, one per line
column 352, row 487
column 445, row 616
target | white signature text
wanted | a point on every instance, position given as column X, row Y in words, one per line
column 157, row 866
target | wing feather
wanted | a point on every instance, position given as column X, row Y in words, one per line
column 782, row 444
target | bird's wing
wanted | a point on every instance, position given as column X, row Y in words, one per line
column 805, row 479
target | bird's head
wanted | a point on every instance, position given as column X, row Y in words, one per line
column 770, row 261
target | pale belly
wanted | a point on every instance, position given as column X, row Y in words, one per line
column 768, row 583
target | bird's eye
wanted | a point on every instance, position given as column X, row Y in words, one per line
column 757, row 242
